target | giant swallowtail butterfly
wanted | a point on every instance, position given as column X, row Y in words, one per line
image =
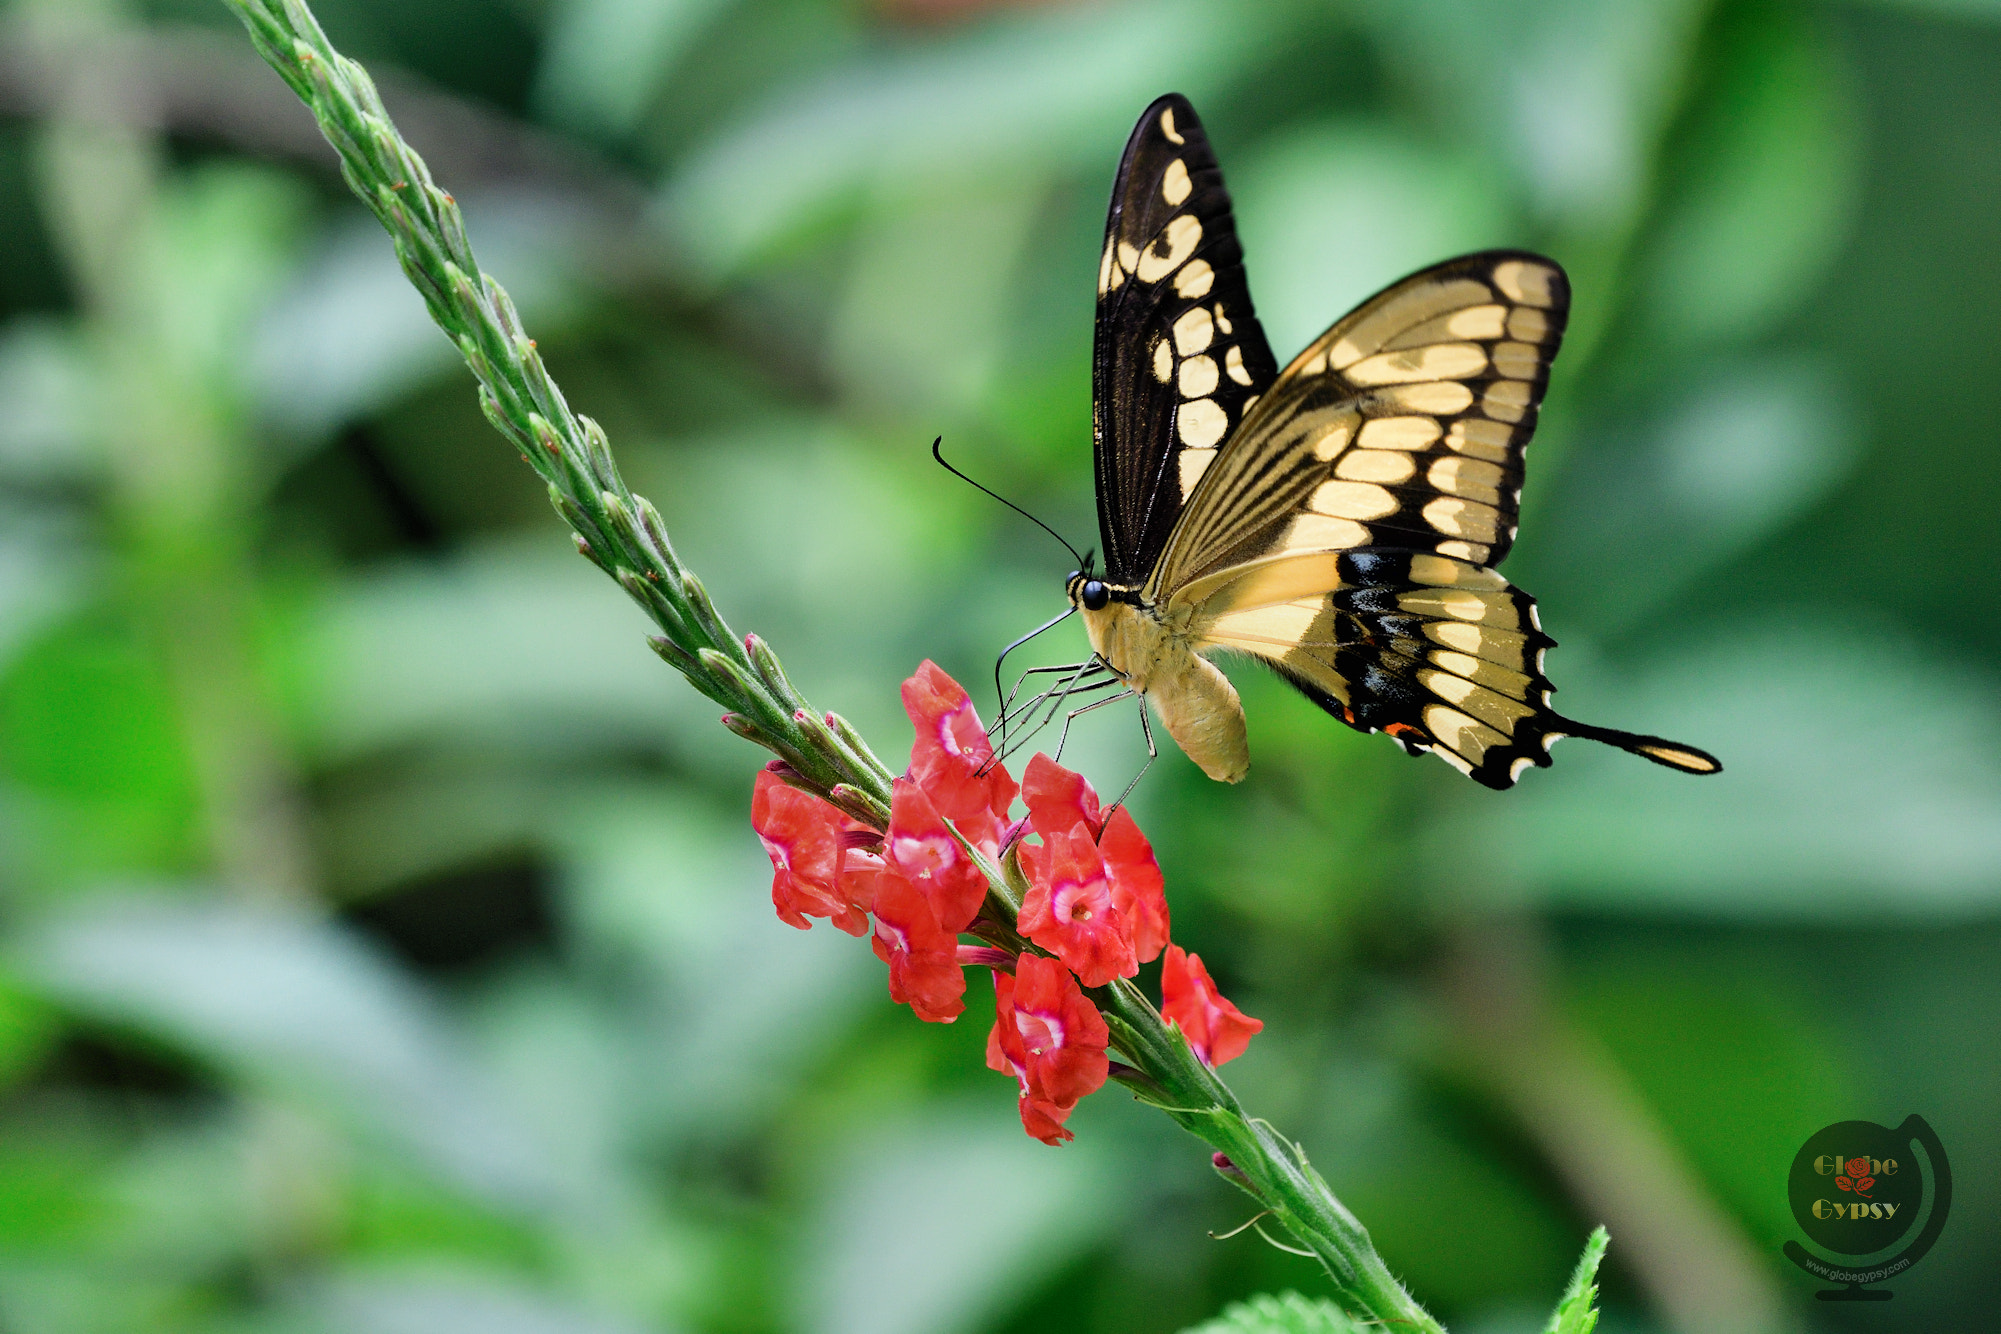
column 1339, row 520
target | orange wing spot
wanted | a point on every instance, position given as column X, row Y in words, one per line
column 1404, row 729
column 1348, row 716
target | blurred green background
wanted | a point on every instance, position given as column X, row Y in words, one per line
column 383, row 945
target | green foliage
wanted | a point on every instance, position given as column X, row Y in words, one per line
column 1577, row 1313
column 1287, row 1313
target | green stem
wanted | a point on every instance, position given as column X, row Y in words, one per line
column 625, row 537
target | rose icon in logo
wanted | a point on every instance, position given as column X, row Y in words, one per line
column 1856, row 1177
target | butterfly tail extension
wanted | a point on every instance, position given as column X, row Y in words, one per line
column 1670, row 754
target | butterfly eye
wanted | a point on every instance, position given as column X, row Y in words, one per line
column 1094, row 595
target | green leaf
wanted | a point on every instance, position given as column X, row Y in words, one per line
column 1287, row 1313
column 1576, row 1313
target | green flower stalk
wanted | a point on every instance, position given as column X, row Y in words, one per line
column 819, row 753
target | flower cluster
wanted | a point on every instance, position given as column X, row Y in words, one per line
column 1095, row 905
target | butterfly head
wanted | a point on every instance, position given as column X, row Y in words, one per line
column 1086, row 590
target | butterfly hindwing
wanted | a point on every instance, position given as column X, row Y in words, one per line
column 1179, row 353
column 1404, row 425
column 1441, row 654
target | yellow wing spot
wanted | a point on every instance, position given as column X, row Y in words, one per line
column 1475, row 322
column 1485, row 642
column 1375, row 465
column 1176, row 242
column 1198, row 377
column 1439, row 361
column 1463, row 518
column 1489, row 674
column 1460, row 733
column 1530, row 284
column 1194, row 280
column 1458, row 603
column 1518, row 361
column 1490, row 707
column 1110, row 275
column 1233, row 362
column 1528, row 324
column 1194, row 462
column 1681, row 759
column 1223, row 320
column 1480, row 439
column 1495, row 710
column 1443, row 397
column 1201, row 423
column 1506, row 400
column 1352, row 500
column 1322, row 532
column 1517, row 764
column 1251, row 402
column 1193, row 332
column 1128, row 256
column 1490, row 643
column 1398, row 433
column 1313, row 365
column 1442, row 573
column 1167, row 127
column 1174, row 184
column 1403, row 311
column 1332, row 439
column 1471, row 551
column 1163, row 361
column 1469, row 479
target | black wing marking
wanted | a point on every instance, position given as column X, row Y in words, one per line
column 1179, row 354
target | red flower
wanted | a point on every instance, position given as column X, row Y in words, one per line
column 803, row 836
column 923, row 957
column 1006, row 1054
column 1217, row 1030
column 1138, row 889
column 1062, row 1036
column 922, row 849
column 1856, row 1177
column 1070, row 907
column 952, row 759
column 1058, row 800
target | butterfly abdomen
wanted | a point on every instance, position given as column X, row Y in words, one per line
column 1201, row 711
column 1193, row 700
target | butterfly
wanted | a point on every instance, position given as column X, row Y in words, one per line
column 1339, row 520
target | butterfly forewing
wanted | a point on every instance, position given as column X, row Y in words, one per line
column 1403, row 426
column 1179, row 355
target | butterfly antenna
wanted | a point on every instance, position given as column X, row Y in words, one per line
column 937, row 453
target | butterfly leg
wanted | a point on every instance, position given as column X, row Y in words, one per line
column 1048, row 625
column 1152, row 754
column 1007, row 704
column 1077, row 713
column 1052, row 699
